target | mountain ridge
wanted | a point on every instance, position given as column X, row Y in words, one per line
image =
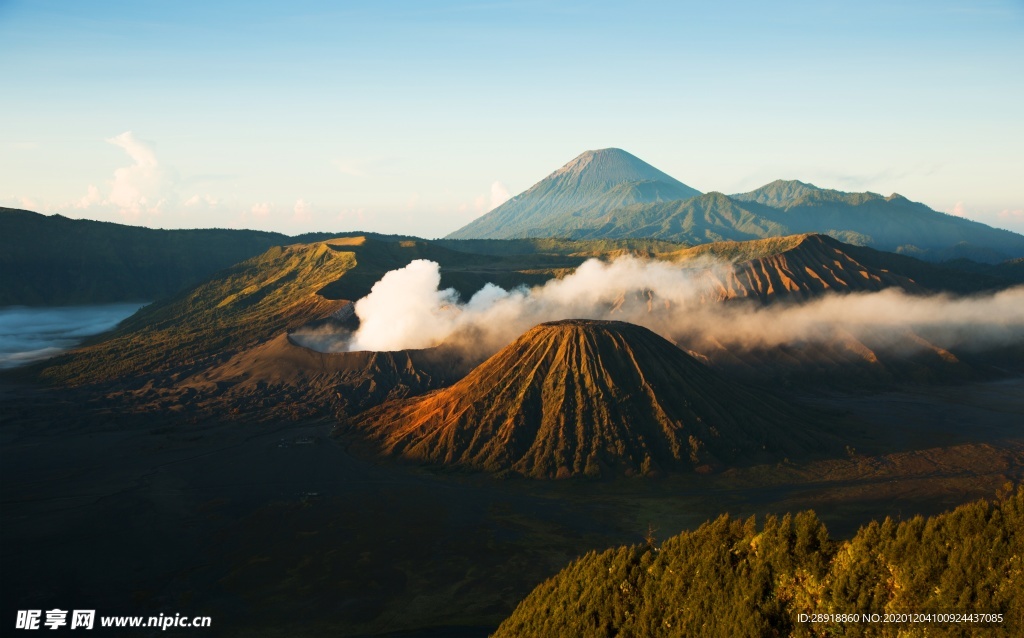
column 54, row 260
column 777, row 194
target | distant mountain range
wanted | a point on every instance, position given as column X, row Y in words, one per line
column 611, row 194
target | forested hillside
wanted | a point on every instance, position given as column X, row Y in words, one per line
column 743, row 577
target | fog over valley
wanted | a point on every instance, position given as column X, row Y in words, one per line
column 31, row 334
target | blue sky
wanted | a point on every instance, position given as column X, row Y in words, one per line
column 416, row 117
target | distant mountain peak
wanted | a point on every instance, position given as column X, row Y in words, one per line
column 591, row 184
column 791, row 182
column 581, row 161
column 780, row 193
column 611, row 166
column 715, row 196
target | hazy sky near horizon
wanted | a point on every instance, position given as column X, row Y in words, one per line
column 417, row 117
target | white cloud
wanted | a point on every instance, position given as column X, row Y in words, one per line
column 350, row 167
column 303, row 211
column 141, row 187
column 138, row 151
column 207, row 200
column 483, row 203
column 959, row 210
column 357, row 215
column 1015, row 214
column 499, row 194
column 366, row 167
column 91, row 198
column 260, row 210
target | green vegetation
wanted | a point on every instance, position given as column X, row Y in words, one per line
column 733, row 577
column 251, row 301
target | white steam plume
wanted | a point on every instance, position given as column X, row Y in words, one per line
column 407, row 310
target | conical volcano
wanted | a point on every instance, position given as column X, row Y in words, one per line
column 590, row 397
column 588, row 186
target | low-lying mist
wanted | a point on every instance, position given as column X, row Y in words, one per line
column 31, row 334
column 407, row 310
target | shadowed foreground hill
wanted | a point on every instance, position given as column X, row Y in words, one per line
column 732, row 577
column 582, row 397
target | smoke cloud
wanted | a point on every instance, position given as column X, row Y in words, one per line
column 406, row 309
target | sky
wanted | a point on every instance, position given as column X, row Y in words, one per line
column 417, row 117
